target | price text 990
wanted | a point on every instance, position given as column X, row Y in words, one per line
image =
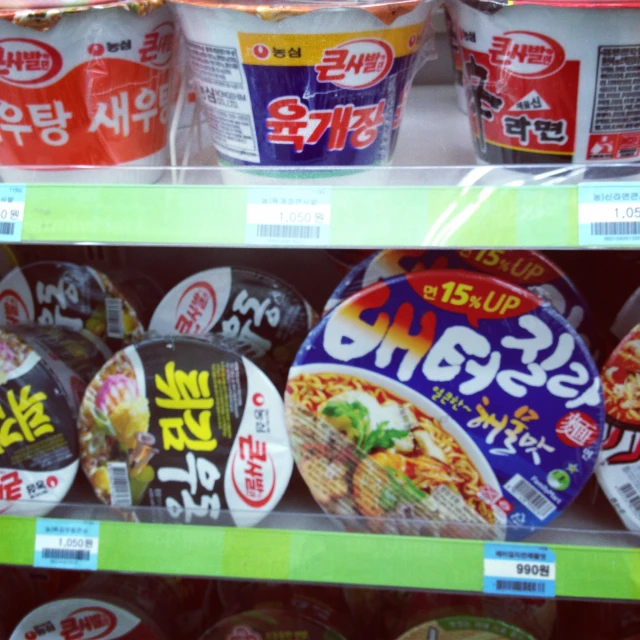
column 532, row 569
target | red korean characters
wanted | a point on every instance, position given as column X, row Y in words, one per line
column 85, row 86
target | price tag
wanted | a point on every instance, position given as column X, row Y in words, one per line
column 12, row 200
column 609, row 213
column 66, row 544
column 299, row 216
column 519, row 570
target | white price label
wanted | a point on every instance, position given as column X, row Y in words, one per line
column 66, row 544
column 520, row 570
column 290, row 216
column 609, row 214
column 12, row 201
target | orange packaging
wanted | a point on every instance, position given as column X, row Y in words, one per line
column 85, row 86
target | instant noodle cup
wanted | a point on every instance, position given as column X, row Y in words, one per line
column 260, row 314
column 177, row 606
column 528, row 269
column 69, row 617
column 114, row 307
column 551, row 82
column 43, row 374
column 466, row 628
column 445, row 402
column 324, row 604
column 270, row 623
column 85, row 86
column 305, row 84
column 618, row 467
column 519, row 616
column 184, row 424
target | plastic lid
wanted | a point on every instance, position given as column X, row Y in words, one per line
column 186, row 425
column 445, row 397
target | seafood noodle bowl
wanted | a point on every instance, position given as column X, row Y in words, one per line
column 367, row 445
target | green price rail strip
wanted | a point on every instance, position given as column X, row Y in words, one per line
column 321, row 557
column 535, row 216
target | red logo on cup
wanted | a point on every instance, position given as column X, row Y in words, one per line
column 26, row 62
column 526, row 54
column 356, row 64
column 13, row 310
column 577, row 429
column 96, row 49
column 261, row 51
column 52, row 482
column 196, row 309
column 258, row 399
column 412, row 41
column 88, row 623
column 253, row 472
column 157, row 46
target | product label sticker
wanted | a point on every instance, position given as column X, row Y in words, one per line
column 291, row 215
column 12, row 201
column 519, row 570
column 66, row 544
column 609, row 214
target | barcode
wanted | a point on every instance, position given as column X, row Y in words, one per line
column 6, row 228
column 119, row 482
column 115, row 325
column 530, row 497
column 615, row 228
column 631, row 496
column 293, row 231
column 65, row 554
column 520, row 585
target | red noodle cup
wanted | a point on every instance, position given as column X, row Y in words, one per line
column 90, row 617
column 618, row 467
column 305, row 84
column 85, row 86
column 551, row 82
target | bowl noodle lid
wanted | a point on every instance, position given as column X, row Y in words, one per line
column 445, row 396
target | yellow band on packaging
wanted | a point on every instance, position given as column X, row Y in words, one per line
column 306, row 50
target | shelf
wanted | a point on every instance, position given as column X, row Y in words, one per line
column 595, row 557
column 328, row 558
column 431, row 196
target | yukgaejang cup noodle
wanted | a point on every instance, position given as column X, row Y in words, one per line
column 551, row 82
column 305, row 84
column 85, row 86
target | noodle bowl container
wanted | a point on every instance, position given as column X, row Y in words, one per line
column 43, row 374
column 305, row 85
column 618, row 468
column 551, row 82
column 85, row 86
column 416, row 407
